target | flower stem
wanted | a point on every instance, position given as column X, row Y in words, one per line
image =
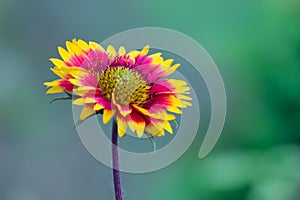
column 115, row 162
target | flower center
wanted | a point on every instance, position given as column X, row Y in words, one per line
column 127, row 85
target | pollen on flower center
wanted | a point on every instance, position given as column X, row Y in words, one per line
column 127, row 85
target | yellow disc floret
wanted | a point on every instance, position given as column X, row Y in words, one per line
column 127, row 85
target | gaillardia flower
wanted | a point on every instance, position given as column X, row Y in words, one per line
column 132, row 87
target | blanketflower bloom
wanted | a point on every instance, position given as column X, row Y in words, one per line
column 132, row 87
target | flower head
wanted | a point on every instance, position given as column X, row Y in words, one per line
column 132, row 87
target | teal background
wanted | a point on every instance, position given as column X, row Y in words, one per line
column 256, row 45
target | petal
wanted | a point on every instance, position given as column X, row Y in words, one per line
column 77, row 72
column 64, row 54
column 122, row 125
column 111, row 51
column 162, row 86
column 89, row 100
column 121, row 131
column 122, row 51
column 86, row 112
column 95, row 45
column 133, row 53
column 168, row 127
column 155, row 56
column 184, row 97
column 83, row 45
column 145, row 50
column 168, row 62
column 59, row 73
column 76, row 48
column 157, row 61
column 136, row 123
column 53, row 83
column 98, row 107
column 140, row 109
column 97, row 60
column 174, row 67
column 124, row 110
column 174, row 110
column 66, row 85
column 55, row 89
column 107, row 115
column 161, row 115
column 160, row 133
column 166, row 66
column 180, row 86
column 83, row 90
column 154, row 127
column 170, row 117
column 57, row 62
column 79, row 102
column 184, row 104
column 75, row 81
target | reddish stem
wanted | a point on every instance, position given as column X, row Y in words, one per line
column 115, row 162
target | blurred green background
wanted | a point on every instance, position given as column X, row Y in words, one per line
column 256, row 45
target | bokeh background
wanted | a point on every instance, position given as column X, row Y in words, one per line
column 256, row 45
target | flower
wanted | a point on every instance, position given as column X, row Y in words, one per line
column 132, row 87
